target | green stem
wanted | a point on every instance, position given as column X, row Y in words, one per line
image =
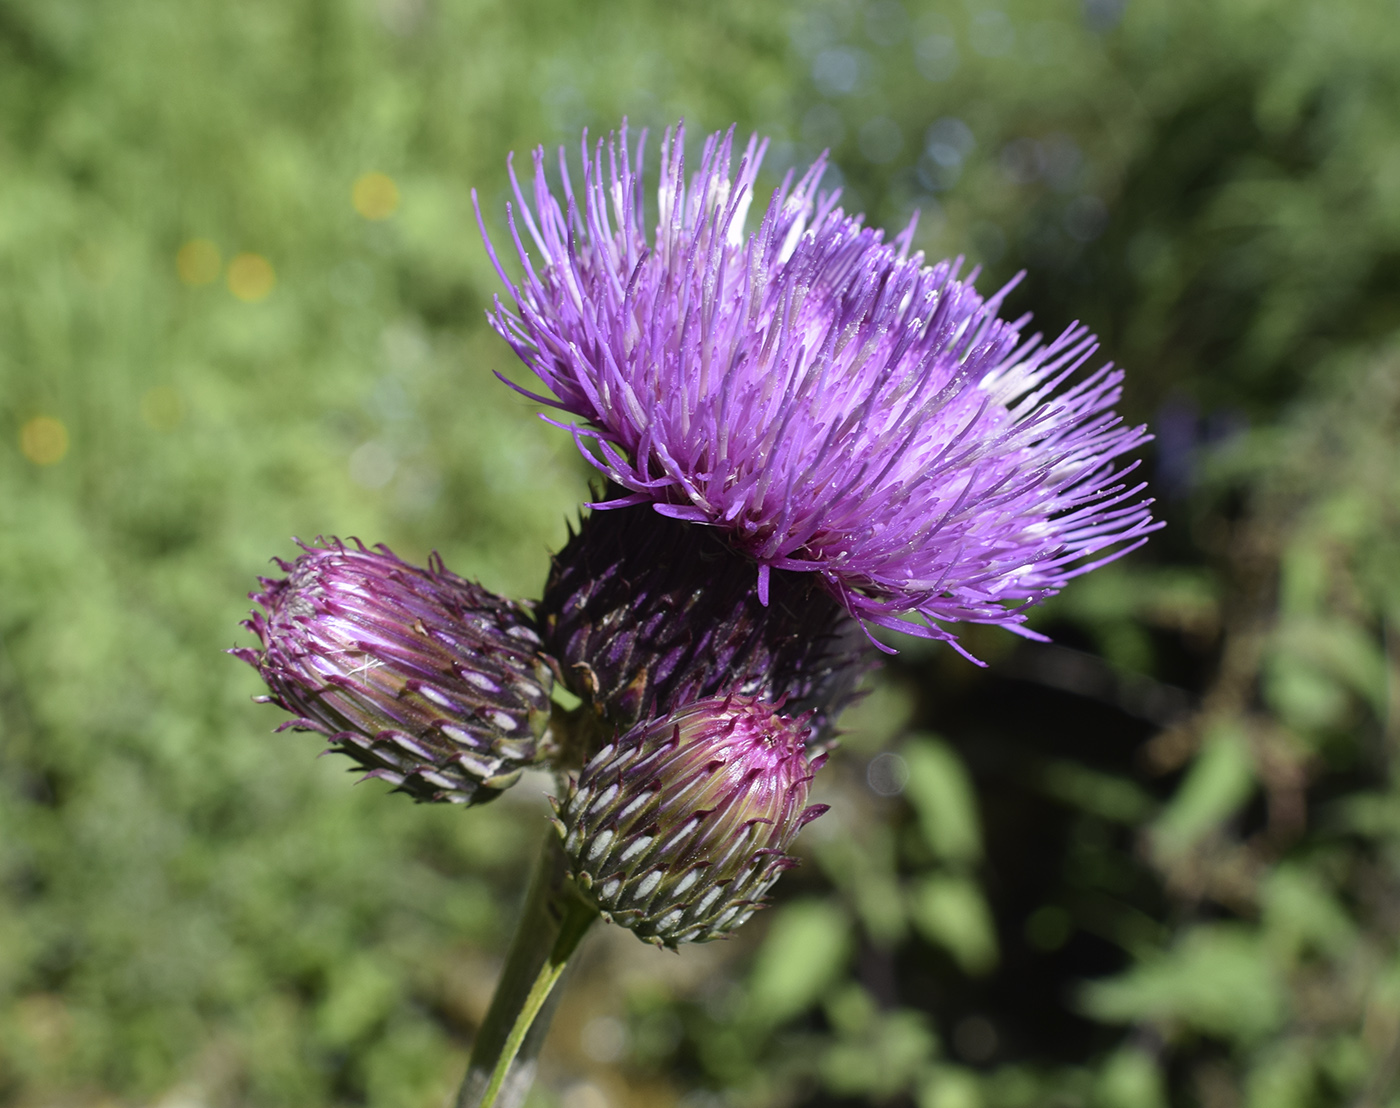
column 555, row 918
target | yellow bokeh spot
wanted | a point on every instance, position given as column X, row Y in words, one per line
column 375, row 196
column 198, row 262
column 251, row 277
column 44, row 440
column 161, row 408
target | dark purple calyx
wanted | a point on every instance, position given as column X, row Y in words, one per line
column 646, row 614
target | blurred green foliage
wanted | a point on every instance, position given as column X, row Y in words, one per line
column 1155, row 864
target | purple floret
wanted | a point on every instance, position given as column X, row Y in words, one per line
column 825, row 399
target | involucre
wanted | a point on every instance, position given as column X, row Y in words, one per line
column 431, row 682
column 678, row 828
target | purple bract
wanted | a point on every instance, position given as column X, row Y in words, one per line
column 823, row 397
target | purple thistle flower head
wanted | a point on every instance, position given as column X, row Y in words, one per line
column 823, row 398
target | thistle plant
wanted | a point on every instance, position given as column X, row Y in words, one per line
column 808, row 435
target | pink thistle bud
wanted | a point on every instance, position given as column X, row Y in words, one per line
column 431, row 682
column 679, row 827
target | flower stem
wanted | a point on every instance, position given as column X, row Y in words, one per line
column 555, row 918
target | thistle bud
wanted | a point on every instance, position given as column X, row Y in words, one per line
column 430, row 682
column 678, row 828
column 647, row 614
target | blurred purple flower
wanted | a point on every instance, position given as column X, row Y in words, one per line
column 823, row 397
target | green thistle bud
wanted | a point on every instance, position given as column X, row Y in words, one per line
column 432, row 683
column 678, row 828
